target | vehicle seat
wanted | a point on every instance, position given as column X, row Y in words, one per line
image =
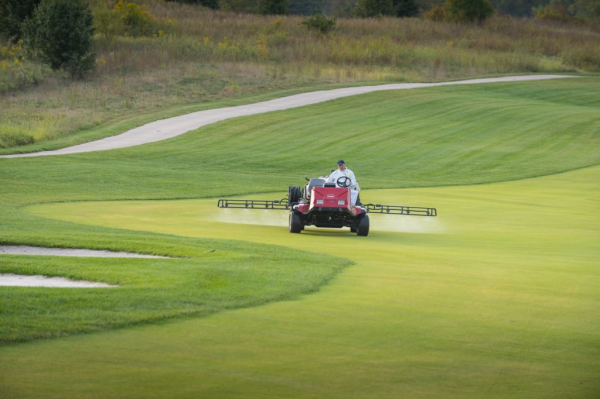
column 314, row 183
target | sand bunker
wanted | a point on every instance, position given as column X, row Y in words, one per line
column 15, row 280
column 87, row 253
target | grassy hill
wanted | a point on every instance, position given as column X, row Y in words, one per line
column 189, row 55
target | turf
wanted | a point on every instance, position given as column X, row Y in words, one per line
column 220, row 275
column 430, row 137
column 495, row 298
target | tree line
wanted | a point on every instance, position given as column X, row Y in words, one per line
column 399, row 8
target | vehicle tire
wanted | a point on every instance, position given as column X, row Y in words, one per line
column 363, row 226
column 296, row 225
column 353, row 229
column 294, row 195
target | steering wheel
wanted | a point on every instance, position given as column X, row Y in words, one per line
column 344, row 181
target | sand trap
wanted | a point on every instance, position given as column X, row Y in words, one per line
column 86, row 253
column 15, row 280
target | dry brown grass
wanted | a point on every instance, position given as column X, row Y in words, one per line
column 200, row 55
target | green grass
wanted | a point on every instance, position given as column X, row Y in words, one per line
column 497, row 297
column 431, row 137
column 234, row 275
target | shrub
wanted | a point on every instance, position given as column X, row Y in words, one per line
column 60, row 33
column 319, row 23
column 470, row 10
column 128, row 18
column 15, row 138
column 17, row 71
column 137, row 20
column 12, row 15
column 374, row 8
column 552, row 13
column 437, row 14
column 273, row 7
column 108, row 22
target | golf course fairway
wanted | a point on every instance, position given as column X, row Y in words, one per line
column 494, row 298
column 497, row 297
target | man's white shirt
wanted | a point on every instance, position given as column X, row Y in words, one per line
column 336, row 174
column 354, row 189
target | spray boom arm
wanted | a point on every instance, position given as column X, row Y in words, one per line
column 400, row 210
column 283, row 204
column 254, row 204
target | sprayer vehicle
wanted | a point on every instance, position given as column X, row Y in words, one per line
column 323, row 204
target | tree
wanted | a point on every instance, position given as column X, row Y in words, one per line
column 587, row 8
column 214, row 4
column 60, row 33
column 405, row 8
column 343, row 8
column 12, row 15
column 518, row 8
column 309, row 7
column 470, row 10
column 243, row 6
column 374, row 8
column 273, row 7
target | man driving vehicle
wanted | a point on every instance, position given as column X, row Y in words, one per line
column 344, row 177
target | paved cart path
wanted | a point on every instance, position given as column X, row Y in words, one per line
column 173, row 127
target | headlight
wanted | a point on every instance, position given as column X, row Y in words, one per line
column 319, row 202
column 341, row 202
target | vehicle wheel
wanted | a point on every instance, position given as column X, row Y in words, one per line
column 353, row 229
column 296, row 225
column 363, row 226
column 294, row 195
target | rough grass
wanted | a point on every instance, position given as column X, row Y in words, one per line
column 205, row 56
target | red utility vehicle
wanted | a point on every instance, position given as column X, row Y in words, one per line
column 322, row 204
